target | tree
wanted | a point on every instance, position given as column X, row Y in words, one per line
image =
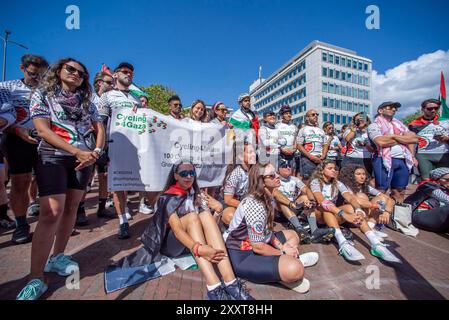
column 159, row 96
column 411, row 117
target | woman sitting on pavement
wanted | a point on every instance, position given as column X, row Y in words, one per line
column 378, row 206
column 300, row 197
column 430, row 202
column 257, row 253
column 325, row 188
column 63, row 114
column 182, row 224
column 236, row 182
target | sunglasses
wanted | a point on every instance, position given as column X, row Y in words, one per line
column 314, row 114
column 73, row 70
column 177, row 104
column 33, row 75
column 222, row 109
column 432, row 108
column 391, row 108
column 186, row 173
column 127, row 72
column 270, row 176
column 108, row 82
column 285, row 166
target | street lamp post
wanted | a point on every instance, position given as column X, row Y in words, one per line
column 5, row 46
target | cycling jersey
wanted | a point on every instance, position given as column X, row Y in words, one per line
column 356, row 147
column 268, row 138
column 427, row 144
column 334, row 143
column 72, row 131
column 17, row 94
column 313, row 139
column 117, row 99
column 327, row 191
column 248, row 226
column 291, row 187
column 237, row 183
column 287, row 131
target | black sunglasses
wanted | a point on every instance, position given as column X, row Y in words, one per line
column 186, row 173
column 74, row 70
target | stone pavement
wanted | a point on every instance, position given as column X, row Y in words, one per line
column 423, row 275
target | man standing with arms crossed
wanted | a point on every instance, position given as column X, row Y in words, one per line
column 120, row 97
column 311, row 142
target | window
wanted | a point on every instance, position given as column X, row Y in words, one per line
column 343, row 90
column 331, row 88
column 324, row 72
column 325, row 102
column 344, row 105
column 331, row 103
column 324, row 86
column 338, row 119
column 337, row 60
column 331, row 58
column 349, row 77
column 337, row 104
column 360, row 66
column 331, row 73
column 325, row 117
column 354, row 64
column 348, row 63
column 324, row 57
column 350, row 106
column 365, row 66
column 343, row 76
column 345, row 118
column 337, row 89
column 337, row 74
column 349, row 119
column 343, row 62
column 332, row 118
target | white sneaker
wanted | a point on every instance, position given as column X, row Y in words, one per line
column 309, row 259
column 127, row 214
column 371, row 224
column 380, row 250
column 349, row 252
column 143, row 208
column 300, row 286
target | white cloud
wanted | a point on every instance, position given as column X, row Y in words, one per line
column 411, row 82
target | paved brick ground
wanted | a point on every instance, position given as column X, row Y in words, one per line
column 423, row 275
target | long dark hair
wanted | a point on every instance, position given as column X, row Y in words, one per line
column 347, row 177
column 256, row 188
column 172, row 181
column 234, row 163
column 319, row 175
column 52, row 81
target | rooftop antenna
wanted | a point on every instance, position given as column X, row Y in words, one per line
column 260, row 74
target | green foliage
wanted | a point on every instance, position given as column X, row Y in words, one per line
column 159, row 95
column 412, row 117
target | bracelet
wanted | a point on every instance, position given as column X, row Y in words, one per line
column 341, row 213
column 196, row 249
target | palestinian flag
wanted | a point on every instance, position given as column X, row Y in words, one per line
column 132, row 88
column 444, row 108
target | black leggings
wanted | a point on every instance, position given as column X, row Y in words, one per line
column 435, row 220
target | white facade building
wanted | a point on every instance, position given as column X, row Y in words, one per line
column 334, row 81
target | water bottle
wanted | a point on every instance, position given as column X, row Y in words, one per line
column 382, row 204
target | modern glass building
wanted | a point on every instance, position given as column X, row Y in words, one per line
column 334, row 81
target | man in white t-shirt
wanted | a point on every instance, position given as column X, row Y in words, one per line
column 287, row 135
column 269, row 139
column 433, row 146
column 311, row 142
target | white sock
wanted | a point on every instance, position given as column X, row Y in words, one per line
column 122, row 218
column 214, row 286
column 372, row 237
column 339, row 236
column 230, row 282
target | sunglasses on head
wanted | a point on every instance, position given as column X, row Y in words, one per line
column 186, row 173
column 72, row 70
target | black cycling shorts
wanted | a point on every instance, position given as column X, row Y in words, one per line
column 254, row 267
column 22, row 156
column 102, row 163
column 56, row 174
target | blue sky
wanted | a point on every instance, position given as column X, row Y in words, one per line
column 211, row 49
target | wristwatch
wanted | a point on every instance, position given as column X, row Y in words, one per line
column 99, row 151
column 341, row 213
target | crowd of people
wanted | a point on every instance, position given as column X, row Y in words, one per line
column 316, row 182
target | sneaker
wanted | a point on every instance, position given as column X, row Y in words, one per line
column 123, row 232
column 81, row 218
column 105, row 213
column 128, row 214
column 304, row 236
column 7, row 223
column 309, row 259
column 371, row 224
column 33, row 209
column 300, row 286
column 218, row 293
column 143, row 208
column 33, row 290
column 322, row 235
column 238, row 291
column 21, row 235
column 62, row 265
column 380, row 251
column 349, row 252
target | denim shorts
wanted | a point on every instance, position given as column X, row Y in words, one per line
column 398, row 177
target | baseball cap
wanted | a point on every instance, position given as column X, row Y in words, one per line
column 389, row 103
